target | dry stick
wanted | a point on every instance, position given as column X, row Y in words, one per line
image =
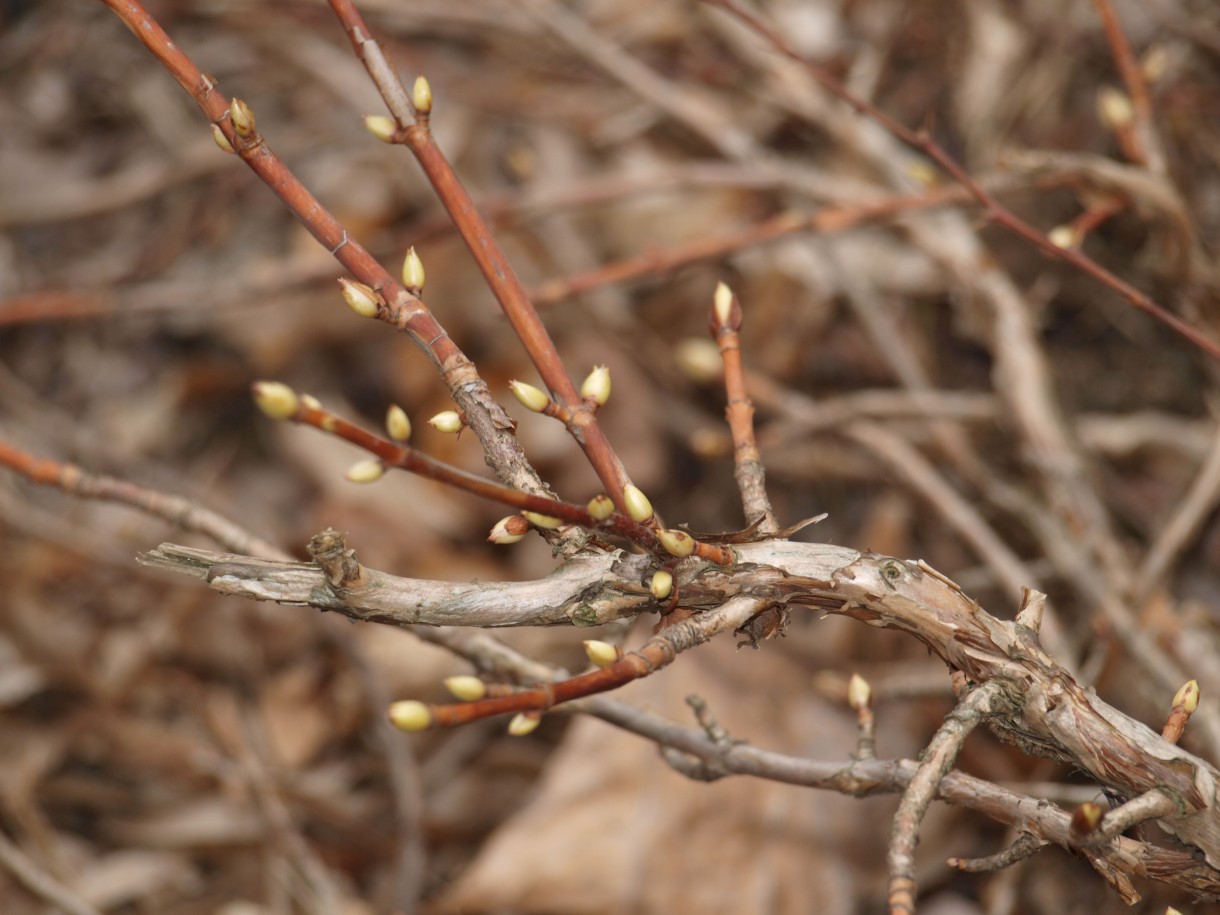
column 993, row 210
column 934, row 764
column 1148, row 149
column 725, row 325
column 404, row 310
column 39, row 882
column 1025, row 846
column 492, row 261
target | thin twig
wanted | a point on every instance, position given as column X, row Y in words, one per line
column 1025, row 846
column 39, row 882
column 1147, row 149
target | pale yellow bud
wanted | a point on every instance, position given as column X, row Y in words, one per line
column 1188, row 696
column 380, row 126
column 699, row 359
column 859, row 692
column 421, row 95
column 397, row 423
column 602, row 654
column 546, row 522
column 662, row 584
column 359, row 298
column 509, row 530
column 600, row 507
column 308, row 400
column 1063, row 237
column 466, row 688
column 221, row 140
column 677, row 543
column 241, row 117
column 524, row 723
column 410, row 715
column 638, row 506
column 722, row 303
column 596, row 387
column 275, row 399
column 446, row 421
column 369, row 471
column 1114, row 108
column 530, row 397
column 413, row 271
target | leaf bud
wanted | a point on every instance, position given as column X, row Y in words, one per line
column 397, row 423
column 509, row 530
column 1063, row 236
column 421, row 95
column 638, row 506
column 726, row 312
column 602, row 654
column 1114, row 108
column 446, row 421
column 369, row 471
column 661, row 585
column 308, row 400
column 380, row 126
column 524, row 723
column 699, row 359
column 221, row 140
column 1188, row 697
column 600, row 507
column 410, row 715
column 413, row 271
column 359, row 298
column 859, row 692
column 1086, row 818
column 596, row 387
column 466, row 688
column 241, row 117
column 530, row 397
column 546, row 522
column 677, row 543
column 275, row 399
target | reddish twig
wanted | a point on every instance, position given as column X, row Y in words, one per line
column 1145, row 148
column 993, row 210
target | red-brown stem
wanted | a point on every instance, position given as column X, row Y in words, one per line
column 739, row 412
column 993, row 210
column 497, row 271
column 1141, row 145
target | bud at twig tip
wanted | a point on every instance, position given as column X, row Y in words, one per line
column 380, row 126
column 722, row 303
column 524, row 723
column 466, row 688
column 677, row 543
column 410, row 715
column 530, row 397
column 1188, row 696
column 421, row 95
column 596, row 386
column 397, row 423
column 221, row 140
column 241, row 117
column 275, row 399
column 413, row 271
column 859, row 692
column 602, row 654
column 1086, row 818
column 661, row 585
column 638, row 506
column 359, row 298
column 446, row 421
column 509, row 530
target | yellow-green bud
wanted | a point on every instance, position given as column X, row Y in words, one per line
column 1188, row 696
column 662, row 584
column 275, row 399
column 602, row 654
column 397, row 423
column 446, row 421
column 524, row 723
column 241, row 117
column 1114, row 108
column 421, row 95
column 369, row 471
column 380, row 126
column 466, row 688
column 530, row 397
column 359, row 298
column 1063, row 237
column 699, row 359
column 596, row 387
column 600, row 507
column 543, row 521
column 413, row 271
column 638, row 506
column 677, row 543
column 859, row 692
column 221, row 140
column 410, row 715
column 509, row 530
